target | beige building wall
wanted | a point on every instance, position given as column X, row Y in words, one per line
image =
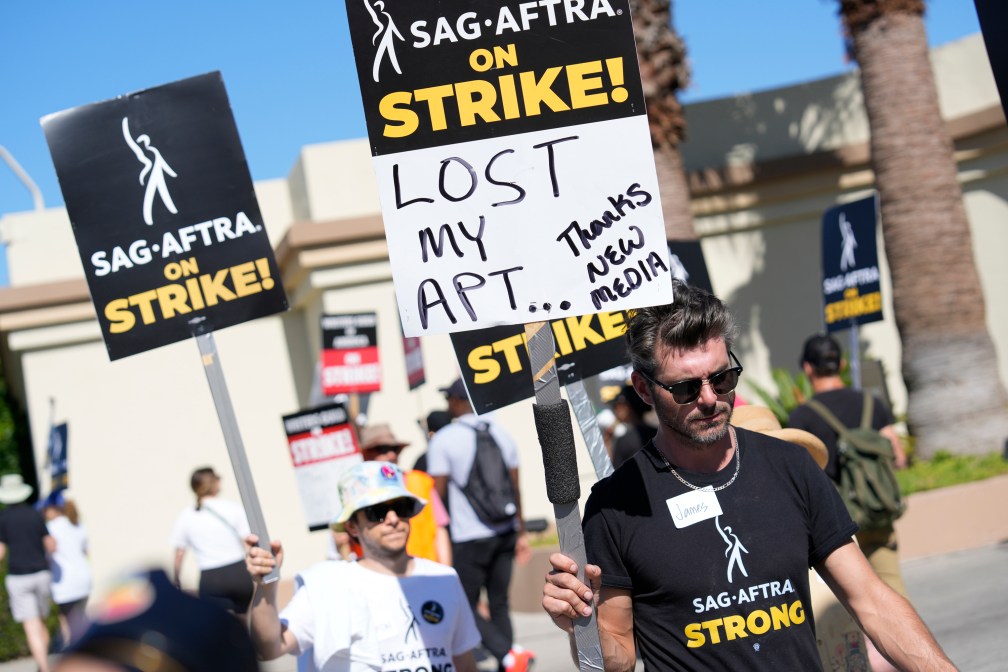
column 763, row 168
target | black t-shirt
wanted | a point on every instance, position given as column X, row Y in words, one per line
column 22, row 529
column 847, row 405
column 730, row 592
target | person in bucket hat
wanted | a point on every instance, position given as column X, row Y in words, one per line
column 366, row 613
column 24, row 542
column 428, row 529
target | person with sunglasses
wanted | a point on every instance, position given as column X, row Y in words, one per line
column 699, row 546
column 384, row 611
column 428, row 529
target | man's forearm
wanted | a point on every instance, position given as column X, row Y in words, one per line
column 264, row 626
column 903, row 639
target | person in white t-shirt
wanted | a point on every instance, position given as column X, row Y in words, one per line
column 385, row 611
column 71, row 570
column 214, row 530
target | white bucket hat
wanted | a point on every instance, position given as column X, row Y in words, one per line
column 13, row 489
column 368, row 483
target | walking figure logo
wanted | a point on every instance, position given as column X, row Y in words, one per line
column 734, row 549
column 384, row 37
column 849, row 242
column 153, row 173
column 679, row 271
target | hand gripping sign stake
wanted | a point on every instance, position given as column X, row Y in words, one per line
column 556, row 438
column 232, row 438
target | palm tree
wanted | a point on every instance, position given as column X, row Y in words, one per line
column 662, row 56
column 956, row 399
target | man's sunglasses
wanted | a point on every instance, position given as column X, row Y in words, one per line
column 381, row 450
column 687, row 391
column 404, row 509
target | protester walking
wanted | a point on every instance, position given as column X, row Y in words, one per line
column 484, row 551
column 699, row 546
column 630, row 411
column 24, row 542
column 69, row 564
column 384, row 611
column 822, row 361
column 214, row 529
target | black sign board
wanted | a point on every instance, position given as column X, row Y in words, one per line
column 164, row 214
column 57, row 450
column 495, row 362
column 686, row 262
column 851, row 288
column 993, row 15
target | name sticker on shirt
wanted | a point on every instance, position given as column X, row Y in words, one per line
column 693, row 507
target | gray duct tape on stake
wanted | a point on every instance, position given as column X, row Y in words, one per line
column 556, row 439
column 584, row 411
column 232, row 438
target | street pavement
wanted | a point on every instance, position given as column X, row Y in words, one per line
column 962, row 596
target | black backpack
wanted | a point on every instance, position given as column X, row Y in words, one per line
column 868, row 482
column 489, row 489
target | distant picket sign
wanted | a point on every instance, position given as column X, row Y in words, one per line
column 350, row 357
column 416, row 375
column 851, row 286
column 164, row 214
column 513, row 159
column 322, row 446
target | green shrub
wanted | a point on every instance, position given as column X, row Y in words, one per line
column 945, row 469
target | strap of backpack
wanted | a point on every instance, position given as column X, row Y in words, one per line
column 866, row 413
column 824, row 413
column 476, row 428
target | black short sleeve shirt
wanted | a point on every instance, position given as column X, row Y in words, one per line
column 730, row 592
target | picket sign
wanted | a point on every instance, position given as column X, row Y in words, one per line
column 179, row 252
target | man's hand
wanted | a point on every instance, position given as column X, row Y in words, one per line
column 564, row 596
column 258, row 561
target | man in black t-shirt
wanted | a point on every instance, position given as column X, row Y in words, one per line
column 24, row 541
column 699, row 546
column 822, row 361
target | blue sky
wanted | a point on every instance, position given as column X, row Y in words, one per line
column 288, row 67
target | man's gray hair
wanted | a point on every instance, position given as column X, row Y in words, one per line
column 694, row 317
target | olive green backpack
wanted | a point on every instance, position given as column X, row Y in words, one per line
column 868, row 482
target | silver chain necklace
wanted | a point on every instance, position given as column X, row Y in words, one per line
column 738, row 464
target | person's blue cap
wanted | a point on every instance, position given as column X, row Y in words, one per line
column 144, row 623
column 456, row 389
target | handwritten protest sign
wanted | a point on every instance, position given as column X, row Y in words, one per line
column 513, row 159
column 164, row 214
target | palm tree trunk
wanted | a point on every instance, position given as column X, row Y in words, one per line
column 956, row 400
column 662, row 56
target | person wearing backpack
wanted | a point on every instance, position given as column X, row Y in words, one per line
column 822, row 362
column 474, row 463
